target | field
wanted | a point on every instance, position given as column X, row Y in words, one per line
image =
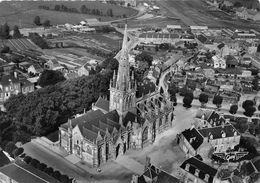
column 194, row 12
column 19, row 44
column 23, row 12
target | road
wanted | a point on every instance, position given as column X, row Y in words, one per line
column 55, row 161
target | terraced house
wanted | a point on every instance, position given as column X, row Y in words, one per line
column 131, row 118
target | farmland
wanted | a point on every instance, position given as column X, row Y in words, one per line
column 23, row 12
column 19, row 44
column 194, row 12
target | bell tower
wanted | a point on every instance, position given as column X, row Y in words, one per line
column 122, row 85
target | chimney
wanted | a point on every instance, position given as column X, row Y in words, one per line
column 206, row 178
column 197, row 171
column 187, row 167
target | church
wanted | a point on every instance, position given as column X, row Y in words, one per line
column 132, row 118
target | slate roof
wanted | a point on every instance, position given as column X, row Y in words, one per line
column 23, row 173
column 217, row 131
column 221, row 45
column 4, row 160
column 102, row 104
column 7, row 79
column 231, row 60
column 144, row 88
column 201, row 166
column 159, row 176
column 193, row 133
column 215, row 117
column 94, row 122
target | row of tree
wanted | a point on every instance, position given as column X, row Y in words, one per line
column 48, row 170
column 5, row 32
column 38, row 40
column 83, row 9
column 45, row 23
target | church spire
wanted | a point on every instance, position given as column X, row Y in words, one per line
column 123, row 75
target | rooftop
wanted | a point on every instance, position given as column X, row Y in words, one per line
column 193, row 137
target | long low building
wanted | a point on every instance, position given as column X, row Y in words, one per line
column 158, row 38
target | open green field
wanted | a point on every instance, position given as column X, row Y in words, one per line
column 23, row 12
column 195, row 12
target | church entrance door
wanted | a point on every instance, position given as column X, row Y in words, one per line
column 107, row 151
column 117, row 150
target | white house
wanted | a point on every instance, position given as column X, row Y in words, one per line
column 219, row 62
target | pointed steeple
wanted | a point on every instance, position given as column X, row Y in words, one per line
column 123, row 76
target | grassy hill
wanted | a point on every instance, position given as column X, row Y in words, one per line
column 23, row 12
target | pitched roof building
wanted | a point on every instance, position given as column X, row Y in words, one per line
column 131, row 118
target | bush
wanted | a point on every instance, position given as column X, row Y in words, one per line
column 64, row 179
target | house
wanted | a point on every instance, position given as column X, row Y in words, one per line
column 209, row 131
column 246, row 14
column 20, row 172
column 195, row 170
column 53, row 64
column 125, row 121
column 12, row 85
column 219, row 62
column 35, row 69
column 154, row 174
column 231, row 61
column 86, row 68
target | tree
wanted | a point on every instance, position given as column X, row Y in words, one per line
column 217, row 100
column 64, row 179
column 35, row 163
column 110, row 13
column 37, row 20
column 5, row 49
column 203, row 98
column 248, row 103
column 249, row 111
column 16, row 33
column 172, row 90
column 50, row 77
column 57, row 7
column 41, row 166
column 187, row 100
column 237, row 4
column 18, row 151
column 144, row 57
column 255, row 84
column 258, row 48
column 10, row 147
column 49, row 171
column 4, row 31
column 113, row 64
column 46, row 23
column 56, row 175
column 27, row 159
column 233, row 109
